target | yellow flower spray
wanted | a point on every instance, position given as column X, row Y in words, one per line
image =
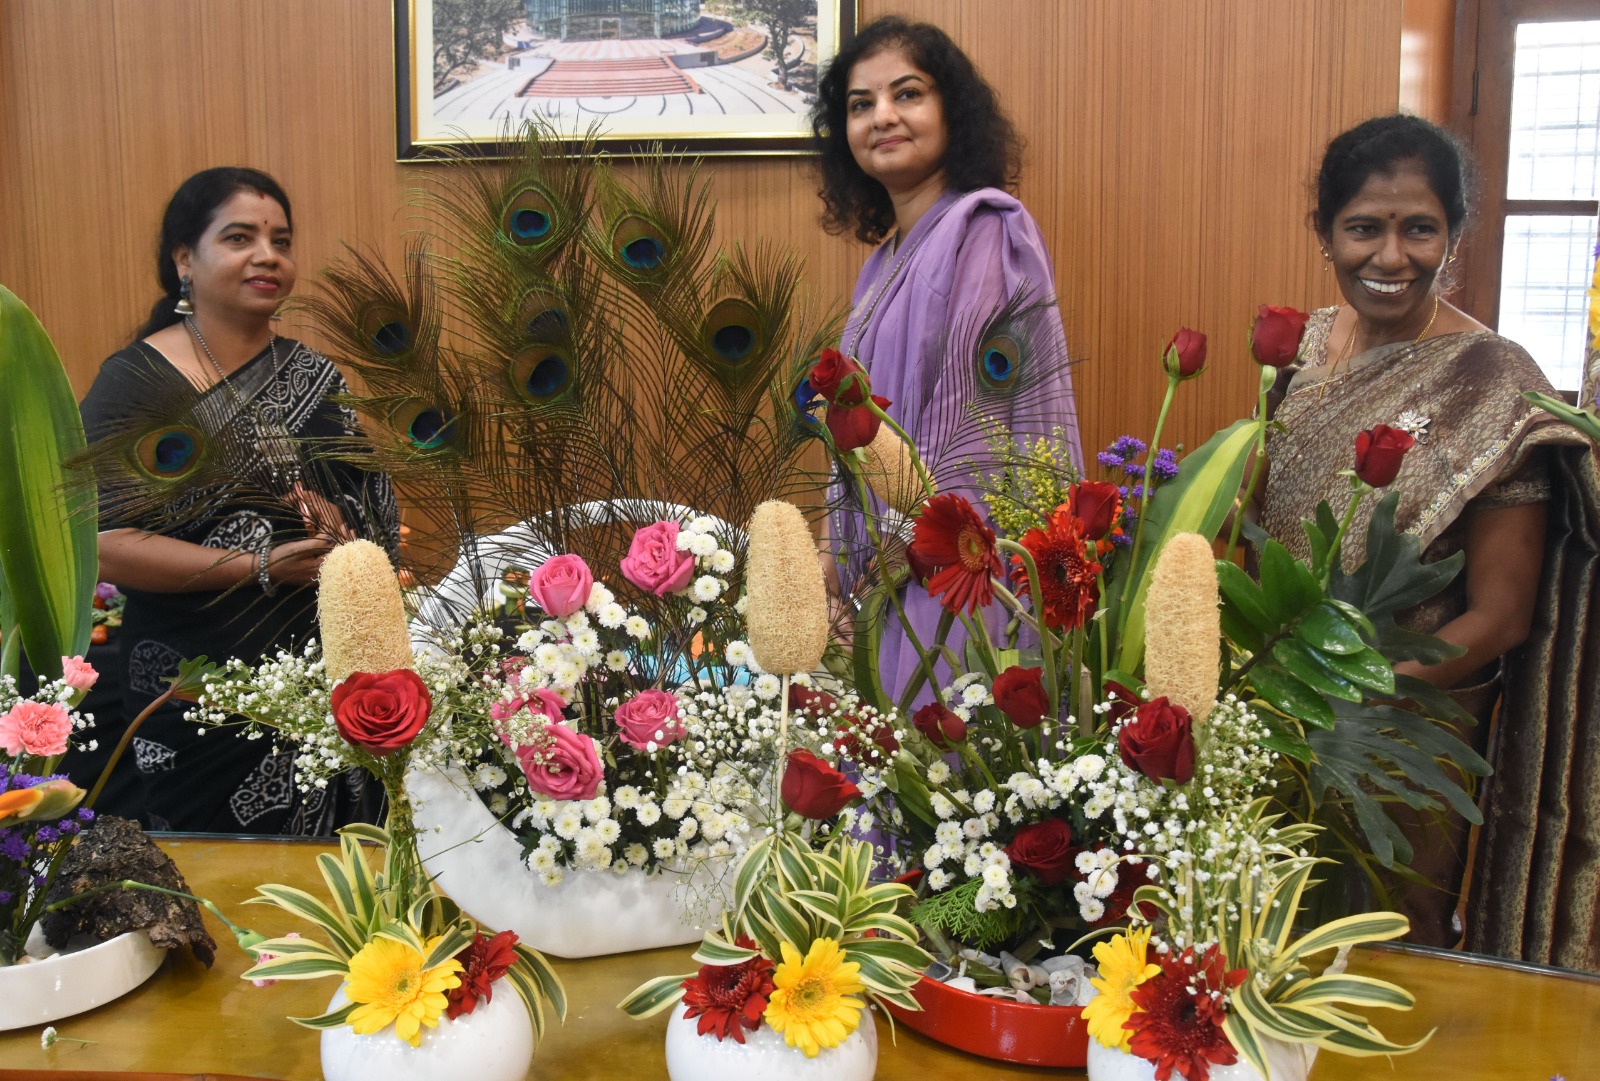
column 1184, row 629
column 363, row 621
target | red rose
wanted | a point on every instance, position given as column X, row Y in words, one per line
column 1159, row 742
column 1186, row 354
column 381, row 713
column 1123, row 701
column 840, row 379
column 854, row 426
column 1097, row 504
column 847, row 738
column 940, row 725
column 1019, row 694
column 811, row 701
column 1275, row 337
column 1378, row 454
column 813, row 789
column 1043, row 849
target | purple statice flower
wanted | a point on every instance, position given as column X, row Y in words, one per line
column 1122, row 540
column 1107, row 459
column 1165, row 464
column 47, row 835
column 1127, row 446
column 13, row 845
column 85, row 814
column 1122, row 490
column 5, row 897
column 1136, row 492
column 1133, row 469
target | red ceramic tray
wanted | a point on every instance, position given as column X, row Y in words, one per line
column 1020, row 1032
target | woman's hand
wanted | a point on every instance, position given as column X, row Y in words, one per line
column 296, row 563
column 320, row 515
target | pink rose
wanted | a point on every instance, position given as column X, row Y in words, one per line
column 653, row 562
column 538, row 702
column 561, row 764
column 650, row 717
column 35, row 728
column 561, row 585
column 78, row 673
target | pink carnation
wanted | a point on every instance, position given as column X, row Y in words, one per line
column 561, row 764
column 653, row 562
column 561, row 585
column 35, row 728
column 78, row 673
column 650, row 717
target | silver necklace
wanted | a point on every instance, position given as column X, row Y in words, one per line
column 272, row 438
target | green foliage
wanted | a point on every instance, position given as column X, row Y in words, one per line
column 48, row 555
column 952, row 913
column 466, row 31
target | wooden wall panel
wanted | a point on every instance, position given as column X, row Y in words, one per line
column 1427, row 54
column 1171, row 143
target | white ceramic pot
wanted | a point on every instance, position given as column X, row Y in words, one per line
column 71, row 982
column 1287, row 1061
column 765, row 1057
column 592, row 913
column 492, row 1043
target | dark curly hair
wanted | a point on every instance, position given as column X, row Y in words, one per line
column 1382, row 145
column 984, row 149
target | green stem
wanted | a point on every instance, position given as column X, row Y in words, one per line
column 1047, row 641
column 1358, row 488
column 1149, row 482
column 1264, row 384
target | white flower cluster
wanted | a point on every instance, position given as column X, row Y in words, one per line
column 562, row 652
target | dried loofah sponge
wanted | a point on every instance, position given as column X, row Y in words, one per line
column 1183, row 626
column 787, row 612
column 358, row 605
column 890, row 472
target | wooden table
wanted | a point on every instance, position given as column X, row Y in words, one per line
column 1493, row 1020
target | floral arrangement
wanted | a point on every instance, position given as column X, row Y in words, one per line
column 40, row 810
column 361, row 700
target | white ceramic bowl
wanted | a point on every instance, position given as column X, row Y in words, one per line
column 43, row 991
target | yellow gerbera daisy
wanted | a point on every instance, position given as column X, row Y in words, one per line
column 813, row 1005
column 1123, row 966
column 387, row 979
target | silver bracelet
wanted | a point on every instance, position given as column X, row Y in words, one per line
column 263, row 574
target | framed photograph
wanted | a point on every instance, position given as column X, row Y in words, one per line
column 702, row 76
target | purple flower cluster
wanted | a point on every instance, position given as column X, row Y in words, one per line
column 1122, row 456
column 26, row 848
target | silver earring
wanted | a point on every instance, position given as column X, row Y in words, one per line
column 183, row 307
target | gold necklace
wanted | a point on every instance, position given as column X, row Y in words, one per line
column 1350, row 342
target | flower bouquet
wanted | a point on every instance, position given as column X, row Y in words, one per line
column 1064, row 626
column 416, row 970
column 809, row 940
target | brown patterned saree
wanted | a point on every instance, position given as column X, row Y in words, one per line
column 1536, row 882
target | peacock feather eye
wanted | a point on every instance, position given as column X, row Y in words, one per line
column 529, row 217
column 541, row 373
column 386, row 329
column 542, row 316
column 999, row 360
column 171, row 453
column 639, row 244
column 426, row 426
column 731, row 330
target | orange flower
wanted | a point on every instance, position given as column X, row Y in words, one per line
column 1067, row 574
column 952, row 540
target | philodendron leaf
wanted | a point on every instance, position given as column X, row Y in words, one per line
column 48, row 529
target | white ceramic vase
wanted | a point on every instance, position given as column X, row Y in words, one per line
column 76, row 980
column 592, row 913
column 492, row 1043
column 765, row 1057
column 1287, row 1062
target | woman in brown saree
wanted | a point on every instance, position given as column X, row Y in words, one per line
column 1491, row 476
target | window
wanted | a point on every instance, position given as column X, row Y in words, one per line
column 1534, row 119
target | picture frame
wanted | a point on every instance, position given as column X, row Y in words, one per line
column 694, row 76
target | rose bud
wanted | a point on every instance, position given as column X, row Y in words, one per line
column 381, row 713
column 840, row 379
column 1019, row 694
column 1044, row 850
column 940, row 725
column 813, row 789
column 1186, row 354
column 1159, row 742
column 854, row 426
column 1275, row 337
column 1097, row 504
column 1379, row 451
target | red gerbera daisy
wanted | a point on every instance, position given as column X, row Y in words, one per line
column 951, row 538
column 730, row 998
column 1066, row 572
column 482, row 963
column 1178, row 1023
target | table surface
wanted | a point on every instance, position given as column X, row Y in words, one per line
column 1492, row 1020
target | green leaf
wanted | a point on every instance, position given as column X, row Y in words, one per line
column 653, row 996
column 1327, row 629
column 532, row 964
column 1286, row 585
column 1291, row 696
column 297, row 968
column 302, row 904
column 48, row 532
column 452, row 942
column 1244, row 595
column 1369, row 669
column 1359, row 991
column 714, row 951
column 1349, row 931
column 1307, row 666
column 332, row 1019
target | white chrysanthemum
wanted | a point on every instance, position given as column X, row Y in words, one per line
column 723, row 561
column 707, row 589
column 974, row 828
column 547, row 656
column 490, row 775
column 664, row 848
column 695, row 616
column 1086, row 862
column 983, row 802
column 1089, row 768
column 767, row 686
column 703, row 545
column 737, row 653
column 1091, row 909
column 648, row 813
column 498, row 804
column 617, row 661
column 637, row 854
column 1082, row 891
column 568, row 823
column 611, row 615
column 626, row 797
column 675, row 807
column 599, row 597
column 974, row 695
column 942, row 805
column 553, row 878
column 1103, row 881
column 577, row 621
column 596, row 809
column 972, row 865
column 607, row 830
column 542, row 860
column 934, row 855
column 636, row 627
column 938, row 879
column 685, row 539
column 995, row 876
column 741, row 604
column 938, row 772
column 587, row 641
column 948, row 833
